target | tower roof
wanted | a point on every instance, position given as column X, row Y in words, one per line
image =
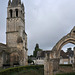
column 15, row 3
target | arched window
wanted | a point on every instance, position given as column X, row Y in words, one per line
column 16, row 12
column 11, row 13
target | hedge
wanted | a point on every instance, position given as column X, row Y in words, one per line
column 73, row 73
column 68, row 65
column 9, row 71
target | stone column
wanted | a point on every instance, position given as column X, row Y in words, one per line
column 48, row 65
column 56, row 64
column 14, row 13
column 74, row 60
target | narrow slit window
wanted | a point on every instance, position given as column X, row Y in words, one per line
column 11, row 13
column 16, row 12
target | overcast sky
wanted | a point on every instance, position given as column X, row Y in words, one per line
column 47, row 21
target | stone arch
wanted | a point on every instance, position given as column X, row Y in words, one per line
column 69, row 38
column 52, row 61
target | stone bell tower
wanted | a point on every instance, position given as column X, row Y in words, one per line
column 16, row 37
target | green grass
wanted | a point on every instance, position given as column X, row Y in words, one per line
column 67, row 74
column 64, row 66
column 24, row 70
column 30, row 70
column 33, row 72
column 1, row 69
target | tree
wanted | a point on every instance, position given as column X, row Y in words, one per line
column 36, row 50
column 30, row 61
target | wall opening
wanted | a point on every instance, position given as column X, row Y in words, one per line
column 16, row 12
column 11, row 13
column 67, row 54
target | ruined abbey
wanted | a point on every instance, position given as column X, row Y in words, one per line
column 14, row 52
column 51, row 63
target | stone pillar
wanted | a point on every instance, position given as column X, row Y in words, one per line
column 55, row 64
column 74, row 60
column 13, row 13
column 48, row 65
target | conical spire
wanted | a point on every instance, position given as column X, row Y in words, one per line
column 22, row 5
column 9, row 3
column 15, row 3
column 19, row 1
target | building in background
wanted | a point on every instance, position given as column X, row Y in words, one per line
column 65, row 57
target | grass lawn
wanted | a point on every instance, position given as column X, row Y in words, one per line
column 1, row 69
column 33, row 72
column 30, row 72
column 67, row 74
column 24, row 70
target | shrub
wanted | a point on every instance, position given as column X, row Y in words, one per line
column 68, row 65
column 73, row 73
column 9, row 71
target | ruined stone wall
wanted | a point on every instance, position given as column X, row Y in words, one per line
column 1, row 60
column 65, row 69
column 51, row 64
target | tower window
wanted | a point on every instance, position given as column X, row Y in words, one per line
column 16, row 12
column 11, row 13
